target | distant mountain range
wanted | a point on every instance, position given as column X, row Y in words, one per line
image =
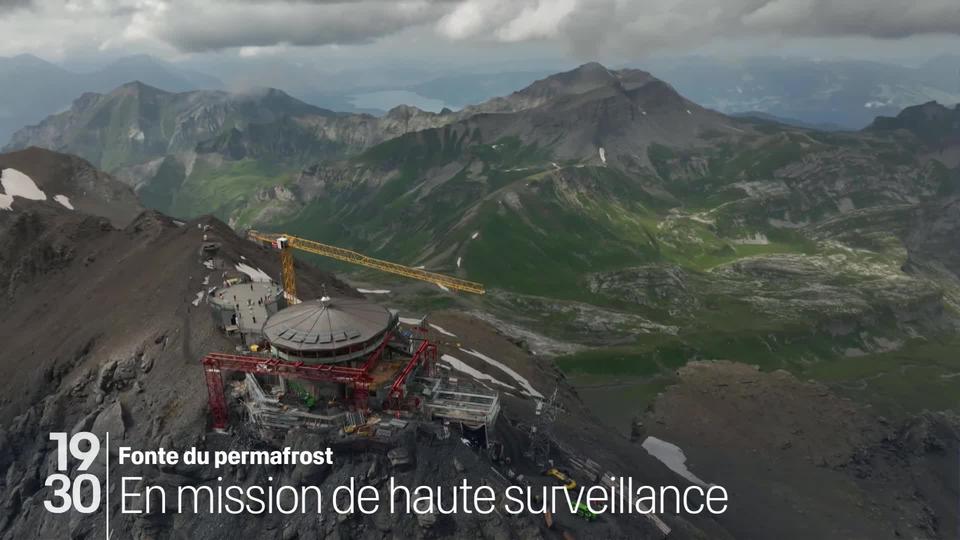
column 834, row 94
column 184, row 151
column 843, row 93
column 31, row 88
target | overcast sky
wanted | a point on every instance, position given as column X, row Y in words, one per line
column 478, row 30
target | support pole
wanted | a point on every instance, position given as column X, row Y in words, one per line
column 289, row 274
column 361, row 395
column 216, row 399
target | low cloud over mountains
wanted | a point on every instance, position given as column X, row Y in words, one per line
column 588, row 26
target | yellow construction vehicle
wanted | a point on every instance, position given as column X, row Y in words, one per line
column 285, row 242
column 568, row 483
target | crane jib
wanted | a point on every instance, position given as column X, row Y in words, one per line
column 349, row 256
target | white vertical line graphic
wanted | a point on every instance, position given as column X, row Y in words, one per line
column 107, row 508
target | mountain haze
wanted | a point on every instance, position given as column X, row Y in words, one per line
column 34, row 88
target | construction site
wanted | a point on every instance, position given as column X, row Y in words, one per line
column 338, row 364
column 360, row 376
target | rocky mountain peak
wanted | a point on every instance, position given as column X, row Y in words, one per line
column 933, row 123
column 587, row 78
column 404, row 112
column 136, row 88
column 591, row 74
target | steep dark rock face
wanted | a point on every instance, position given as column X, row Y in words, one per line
column 935, row 126
column 933, row 123
column 39, row 242
column 932, row 238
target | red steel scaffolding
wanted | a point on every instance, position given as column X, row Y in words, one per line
column 358, row 378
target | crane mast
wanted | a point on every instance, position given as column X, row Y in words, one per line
column 285, row 243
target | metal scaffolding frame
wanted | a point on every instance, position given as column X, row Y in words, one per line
column 464, row 403
column 358, row 378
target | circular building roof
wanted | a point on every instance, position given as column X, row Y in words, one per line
column 326, row 325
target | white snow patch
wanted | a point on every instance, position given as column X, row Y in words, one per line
column 17, row 184
column 410, row 321
column 136, row 135
column 200, row 296
column 672, row 456
column 699, row 218
column 6, row 201
column 459, row 261
column 787, row 224
column 462, row 367
column 758, row 239
column 209, row 264
column 603, row 155
column 520, row 379
column 688, row 111
column 206, row 280
column 63, row 200
column 373, row 291
column 475, row 235
column 442, row 331
column 255, row 274
column 442, row 287
column 421, row 267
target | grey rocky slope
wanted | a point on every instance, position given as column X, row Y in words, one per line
column 783, row 440
column 86, row 188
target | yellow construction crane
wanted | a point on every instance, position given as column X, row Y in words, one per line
column 285, row 243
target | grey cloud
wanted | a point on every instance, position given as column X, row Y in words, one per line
column 594, row 25
column 303, row 23
column 9, row 4
column 591, row 28
column 878, row 18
